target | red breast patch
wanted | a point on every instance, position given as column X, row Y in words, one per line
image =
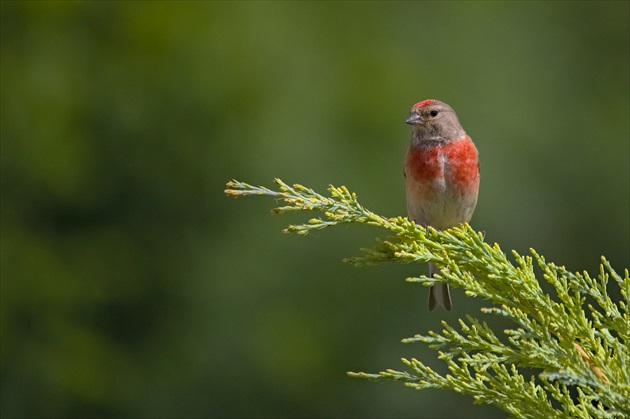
column 456, row 160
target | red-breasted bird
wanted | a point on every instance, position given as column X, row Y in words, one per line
column 441, row 176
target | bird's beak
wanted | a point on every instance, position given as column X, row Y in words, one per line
column 413, row 119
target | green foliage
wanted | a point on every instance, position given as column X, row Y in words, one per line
column 577, row 341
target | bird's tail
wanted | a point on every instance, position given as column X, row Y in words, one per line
column 438, row 294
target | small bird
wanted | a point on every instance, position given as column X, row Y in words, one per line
column 441, row 176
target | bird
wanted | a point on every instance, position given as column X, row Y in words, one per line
column 441, row 172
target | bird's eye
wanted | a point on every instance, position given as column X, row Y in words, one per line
column 433, row 113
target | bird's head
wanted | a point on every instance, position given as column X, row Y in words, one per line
column 432, row 120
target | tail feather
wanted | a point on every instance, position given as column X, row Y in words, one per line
column 439, row 294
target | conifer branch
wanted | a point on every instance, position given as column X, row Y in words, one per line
column 571, row 344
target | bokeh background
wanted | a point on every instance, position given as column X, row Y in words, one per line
column 131, row 286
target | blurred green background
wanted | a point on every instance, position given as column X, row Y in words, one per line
column 131, row 286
